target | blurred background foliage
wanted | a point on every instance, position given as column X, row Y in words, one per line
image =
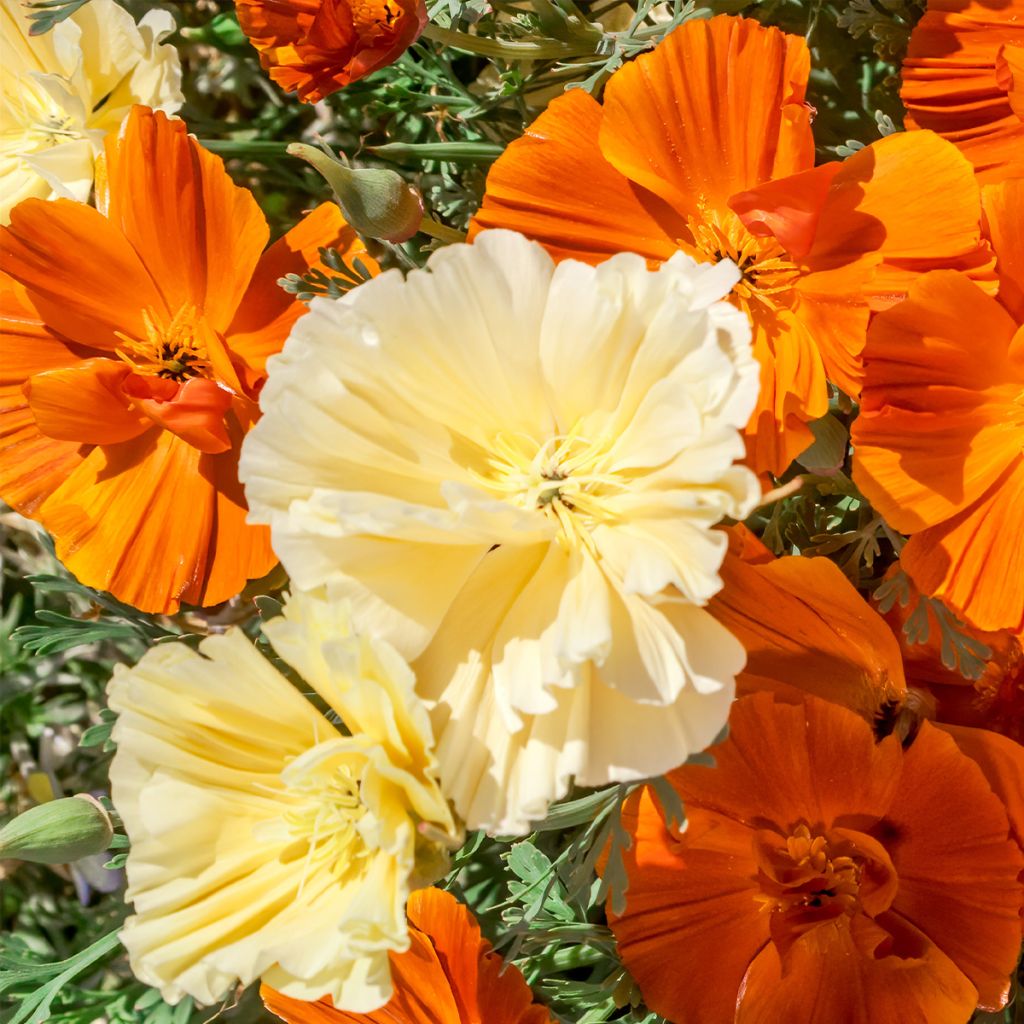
column 439, row 116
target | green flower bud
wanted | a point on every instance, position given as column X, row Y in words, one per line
column 57, row 832
column 377, row 203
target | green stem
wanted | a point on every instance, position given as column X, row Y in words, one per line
column 451, row 152
column 440, row 231
column 505, row 49
column 241, row 147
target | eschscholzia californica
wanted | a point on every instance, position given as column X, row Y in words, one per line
column 992, row 699
column 448, row 975
column 267, row 840
column 132, row 348
column 939, row 442
column 316, row 47
column 963, row 77
column 821, row 876
column 513, row 468
column 705, row 146
column 63, row 91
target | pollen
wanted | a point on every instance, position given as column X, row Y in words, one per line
column 767, row 272
column 170, row 349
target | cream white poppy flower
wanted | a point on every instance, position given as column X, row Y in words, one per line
column 513, row 470
column 266, row 840
column 64, row 90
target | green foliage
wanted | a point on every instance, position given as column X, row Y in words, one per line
column 44, row 14
column 316, row 282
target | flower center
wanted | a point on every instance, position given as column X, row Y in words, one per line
column 373, row 19
column 768, row 274
column 566, row 478
column 170, row 349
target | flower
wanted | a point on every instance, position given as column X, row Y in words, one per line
column 449, row 975
column 963, row 77
column 705, row 146
column 806, row 629
column 939, row 440
column 513, row 470
column 65, row 90
column 825, row 873
column 992, row 699
column 316, row 47
column 265, row 840
column 132, row 350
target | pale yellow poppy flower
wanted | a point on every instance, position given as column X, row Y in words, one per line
column 61, row 92
column 272, row 836
column 513, row 470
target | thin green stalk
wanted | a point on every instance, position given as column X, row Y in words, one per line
column 505, row 49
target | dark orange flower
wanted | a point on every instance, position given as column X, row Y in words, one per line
column 995, row 700
column 940, row 437
column 963, row 77
column 316, row 47
column 806, row 629
column 705, row 146
column 824, row 875
column 132, row 350
column 449, row 975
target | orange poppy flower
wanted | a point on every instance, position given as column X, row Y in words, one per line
column 940, row 437
column 806, row 629
column 995, row 700
column 132, row 351
column 819, row 876
column 449, row 975
column 316, row 47
column 963, row 77
column 705, row 145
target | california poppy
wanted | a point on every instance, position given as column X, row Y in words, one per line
column 819, row 877
column 134, row 341
column 449, row 975
column 939, row 440
column 316, row 47
column 992, row 700
column 963, row 77
column 705, row 146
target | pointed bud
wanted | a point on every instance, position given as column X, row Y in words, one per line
column 377, row 203
column 57, row 832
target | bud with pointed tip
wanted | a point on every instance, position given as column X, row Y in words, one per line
column 58, row 832
column 378, row 203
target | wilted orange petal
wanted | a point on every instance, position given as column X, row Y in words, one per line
column 554, row 185
column 959, row 885
column 267, row 312
column 193, row 410
column 935, row 431
column 199, row 234
column 859, row 971
column 84, row 403
column 717, row 108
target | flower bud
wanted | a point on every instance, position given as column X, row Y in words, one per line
column 57, row 832
column 377, row 203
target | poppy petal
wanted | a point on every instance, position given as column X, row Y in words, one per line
column 197, row 232
column 849, row 970
column 932, row 401
column 1004, row 214
column 85, row 403
column 555, row 185
column 715, row 109
column 975, row 866
column 194, row 411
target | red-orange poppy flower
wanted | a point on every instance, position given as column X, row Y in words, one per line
column 705, row 145
column 132, row 351
column 806, row 629
column 963, row 77
column 994, row 700
column 939, row 440
column 316, row 47
column 449, row 975
column 824, row 875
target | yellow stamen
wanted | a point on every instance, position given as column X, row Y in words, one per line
column 169, row 350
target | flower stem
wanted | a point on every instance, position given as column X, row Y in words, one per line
column 505, row 49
